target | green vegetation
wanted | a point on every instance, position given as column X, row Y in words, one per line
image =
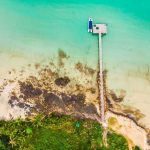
column 137, row 148
column 116, row 142
column 56, row 132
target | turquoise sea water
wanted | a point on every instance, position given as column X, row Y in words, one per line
column 40, row 27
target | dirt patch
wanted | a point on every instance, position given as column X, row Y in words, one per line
column 62, row 81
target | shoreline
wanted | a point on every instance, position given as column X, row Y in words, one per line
column 46, row 80
column 135, row 134
column 126, row 116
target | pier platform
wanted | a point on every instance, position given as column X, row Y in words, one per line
column 100, row 28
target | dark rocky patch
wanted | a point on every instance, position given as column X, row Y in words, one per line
column 62, row 81
column 73, row 99
column 39, row 108
column 52, row 100
column 77, row 101
column 90, row 109
column 29, row 91
column 65, row 98
column 23, row 105
column 13, row 100
column 50, row 97
column 11, row 103
column 45, row 92
column 79, row 98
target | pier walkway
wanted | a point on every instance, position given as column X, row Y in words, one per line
column 101, row 29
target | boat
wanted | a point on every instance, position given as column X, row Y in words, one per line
column 90, row 25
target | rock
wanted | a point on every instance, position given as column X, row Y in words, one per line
column 73, row 99
column 79, row 98
column 13, row 101
column 90, row 109
column 23, row 105
column 29, row 91
column 53, row 100
column 65, row 98
column 62, row 81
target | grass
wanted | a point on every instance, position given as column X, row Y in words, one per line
column 56, row 133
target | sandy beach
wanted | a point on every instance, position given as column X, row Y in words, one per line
column 19, row 102
column 137, row 92
column 134, row 134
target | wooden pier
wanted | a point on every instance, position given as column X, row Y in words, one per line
column 101, row 29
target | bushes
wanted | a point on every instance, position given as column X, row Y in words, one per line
column 56, row 132
column 4, row 142
column 116, row 142
column 136, row 148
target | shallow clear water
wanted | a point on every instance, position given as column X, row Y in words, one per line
column 43, row 26
column 40, row 27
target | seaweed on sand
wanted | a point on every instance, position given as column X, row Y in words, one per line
column 61, row 56
column 84, row 69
